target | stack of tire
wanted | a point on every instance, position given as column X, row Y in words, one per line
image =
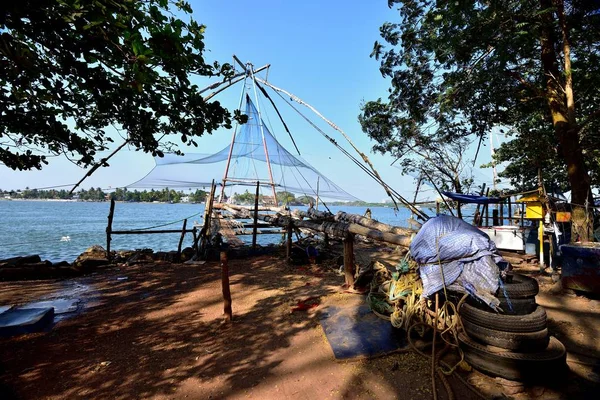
column 513, row 344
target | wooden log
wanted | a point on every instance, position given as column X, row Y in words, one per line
column 111, row 213
column 349, row 259
column 371, row 223
column 225, row 287
column 339, row 229
column 255, row 215
column 181, row 238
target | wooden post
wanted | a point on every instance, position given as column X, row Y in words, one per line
column 109, row 228
column 349, row 259
column 255, row 227
column 510, row 220
column 475, row 221
column 225, row 287
column 288, row 243
column 195, row 238
column 437, row 207
column 501, row 213
column 487, row 209
column 181, row 238
column 522, row 214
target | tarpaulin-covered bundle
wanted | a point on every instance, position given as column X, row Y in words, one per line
column 450, row 251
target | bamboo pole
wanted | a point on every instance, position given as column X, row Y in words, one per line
column 254, row 229
column 109, row 228
column 181, row 238
column 349, row 259
column 225, row 287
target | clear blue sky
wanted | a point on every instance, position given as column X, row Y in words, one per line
column 318, row 50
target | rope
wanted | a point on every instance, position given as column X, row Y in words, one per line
column 165, row 224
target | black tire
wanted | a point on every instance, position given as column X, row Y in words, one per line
column 533, row 322
column 515, row 341
column 517, row 306
column 552, row 361
column 521, row 287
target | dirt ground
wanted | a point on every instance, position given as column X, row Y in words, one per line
column 160, row 333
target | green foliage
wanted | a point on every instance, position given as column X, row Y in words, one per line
column 459, row 69
column 72, row 68
column 284, row 197
column 244, row 198
column 306, row 200
column 97, row 194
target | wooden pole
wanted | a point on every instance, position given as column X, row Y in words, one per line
column 109, row 227
column 255, row 227
column 510, row 221
column 181, row 238
column 317, row 205
column 225, row 287
column 195, row 238
column 349, row 259
column 475, row 222
column 501, row 213
column 487, row 209
column 288, row 243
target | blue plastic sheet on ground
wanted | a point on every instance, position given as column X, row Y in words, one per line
column 356, row 332
column 451, row 252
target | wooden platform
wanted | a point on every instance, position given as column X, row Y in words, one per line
column 227, row 230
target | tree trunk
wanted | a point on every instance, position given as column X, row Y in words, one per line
column 565, row 127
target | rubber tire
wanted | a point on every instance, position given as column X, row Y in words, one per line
column 519, row 306
column 533, row 322
column 516, row 366
column 515, row 341
column 521, row 287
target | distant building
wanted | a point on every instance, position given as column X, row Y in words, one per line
column 185, row 199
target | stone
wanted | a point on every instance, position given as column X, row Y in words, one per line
column 91, row 259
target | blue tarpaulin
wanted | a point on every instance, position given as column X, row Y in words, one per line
column 472, row 198
column 453, row 253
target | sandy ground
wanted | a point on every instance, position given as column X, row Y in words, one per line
column 161, row 334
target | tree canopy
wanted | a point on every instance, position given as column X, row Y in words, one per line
column 69, row 69
column 463, row 68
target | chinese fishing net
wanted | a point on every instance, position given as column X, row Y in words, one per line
column 248, row 164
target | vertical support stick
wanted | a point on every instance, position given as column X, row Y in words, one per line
column 317, row 206
column 541, row 239
column 437, row 207
column 255, row 227
column 181, row 238
column 288, row 243
column 195, row 238
column 109, row 228
column 475, row 221
column 225, row 287
column 522, row 214
column 510, row 221
column 487, row 209
column 501, row 213
column 349, row 259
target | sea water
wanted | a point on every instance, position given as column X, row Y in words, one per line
column 59, row 230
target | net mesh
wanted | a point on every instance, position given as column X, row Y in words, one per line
column 247, row 166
